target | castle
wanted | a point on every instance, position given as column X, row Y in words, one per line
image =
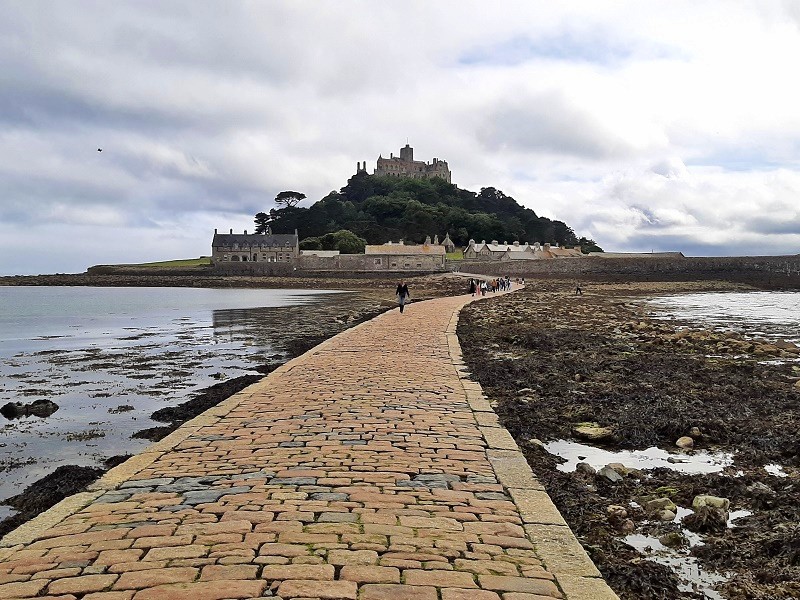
column 406, row 166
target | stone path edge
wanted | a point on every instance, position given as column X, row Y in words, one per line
column 555, row 543
column 111, row 479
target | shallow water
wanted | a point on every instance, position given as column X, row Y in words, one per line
column 771, row 315
column 109, row 357
column 695, row 462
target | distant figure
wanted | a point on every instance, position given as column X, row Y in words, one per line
column 472, row 287
column 578, row 291
column 402, row 294
column 99, row 149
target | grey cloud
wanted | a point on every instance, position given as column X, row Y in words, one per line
column 775, row 225
column 548, row 124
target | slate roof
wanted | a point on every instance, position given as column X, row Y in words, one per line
column 227, row 240
column 402, row 249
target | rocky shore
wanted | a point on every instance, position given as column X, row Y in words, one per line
column 596, row 369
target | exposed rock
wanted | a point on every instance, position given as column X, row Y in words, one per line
column 615, row 511
column 665, row 515
column 627, row 526
column 673, row 539
column 593, row 432
column 659, row 504
column 585, row 468
column 619, row 468
column 685, row 442
column 37, row 408
column 712, row 501
column 609, row 474
column 695, row 432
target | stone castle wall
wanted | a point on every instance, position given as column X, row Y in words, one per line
column 772, row 270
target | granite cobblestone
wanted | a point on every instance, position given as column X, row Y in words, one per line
column 357, row 471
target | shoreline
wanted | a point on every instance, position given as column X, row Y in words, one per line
column 550, row 361
column 367, row 300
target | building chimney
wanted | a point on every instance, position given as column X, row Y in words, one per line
column 231, row 231
column 215, row 231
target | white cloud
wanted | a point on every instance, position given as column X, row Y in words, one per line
column 642, row 125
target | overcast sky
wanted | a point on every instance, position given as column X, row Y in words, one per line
column 644, row 125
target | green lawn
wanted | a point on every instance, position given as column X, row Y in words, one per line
column 187, row 262
column 457, row 255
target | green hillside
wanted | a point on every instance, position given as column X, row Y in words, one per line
column 380, row 209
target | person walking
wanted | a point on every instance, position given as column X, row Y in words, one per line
column 472, row 287
column 402, row 294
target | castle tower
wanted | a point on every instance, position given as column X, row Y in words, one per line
column 407, row 153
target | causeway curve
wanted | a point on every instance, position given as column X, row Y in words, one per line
column 369, row 468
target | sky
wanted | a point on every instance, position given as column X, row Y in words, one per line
column 647, row 126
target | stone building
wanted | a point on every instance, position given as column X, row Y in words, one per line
column 401, row 257
column 516, row 251
column 405, row 166
column 254, row 247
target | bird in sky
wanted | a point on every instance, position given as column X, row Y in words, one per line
column 99, row 149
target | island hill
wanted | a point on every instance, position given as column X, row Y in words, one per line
column 394, row 219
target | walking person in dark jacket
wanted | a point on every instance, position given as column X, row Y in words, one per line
column 402, row 294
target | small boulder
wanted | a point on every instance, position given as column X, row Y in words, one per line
column 673, row 539
column 797, row 384
column 593, row 432
column 712, row 501
column 619, row 468
column 37, row 408
column 627, row 526
column 615, row 511
column 659, row 504
column 685, row 442
column 665, row 515
column 695, row 432
column 610, row 474
column 585, row 469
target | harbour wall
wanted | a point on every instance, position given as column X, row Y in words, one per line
column 777, row 271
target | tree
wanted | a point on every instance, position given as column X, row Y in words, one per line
column 289, row 199
column 310, row 243
column 262, row 222
column 588, row 245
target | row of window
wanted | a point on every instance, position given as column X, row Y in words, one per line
column 255, row 258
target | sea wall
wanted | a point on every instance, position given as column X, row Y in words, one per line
column 781, row 271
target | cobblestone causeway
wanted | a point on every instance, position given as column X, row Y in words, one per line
column 370, row 468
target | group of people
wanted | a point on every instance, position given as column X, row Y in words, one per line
column 499, row 284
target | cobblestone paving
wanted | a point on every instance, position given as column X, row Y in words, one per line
column 366, row 469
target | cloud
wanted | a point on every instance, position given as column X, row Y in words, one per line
column 638, row 125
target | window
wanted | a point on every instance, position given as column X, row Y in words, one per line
column 378, row 262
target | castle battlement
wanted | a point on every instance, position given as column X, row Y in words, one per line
column 405, row 166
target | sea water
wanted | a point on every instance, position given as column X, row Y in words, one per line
column 769, row 315
column 109, row 357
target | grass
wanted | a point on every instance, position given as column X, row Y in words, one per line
column 186, row 262
column 457, row 255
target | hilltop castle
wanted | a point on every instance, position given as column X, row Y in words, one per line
column 406, row 166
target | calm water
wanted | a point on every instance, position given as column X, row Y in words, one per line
column 770, row 315
column 109, row 357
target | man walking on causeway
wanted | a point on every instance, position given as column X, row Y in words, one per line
column 402, row 294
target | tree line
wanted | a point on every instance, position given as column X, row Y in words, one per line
column 376, row 209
